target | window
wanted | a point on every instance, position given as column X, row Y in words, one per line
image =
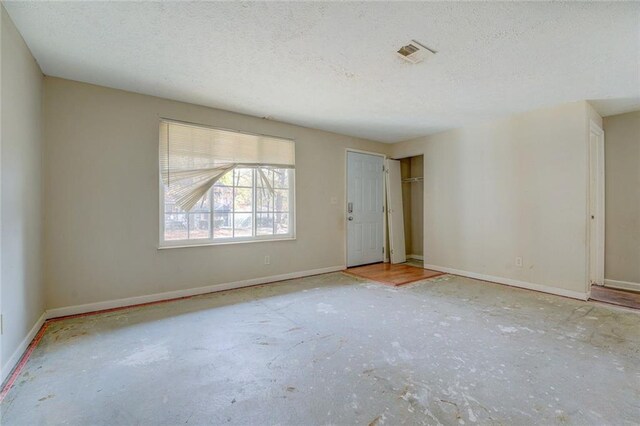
column 220, row 186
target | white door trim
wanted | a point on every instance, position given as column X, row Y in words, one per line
column 344, row 201
column 596, row 207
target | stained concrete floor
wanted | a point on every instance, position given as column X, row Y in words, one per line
column 333, row 349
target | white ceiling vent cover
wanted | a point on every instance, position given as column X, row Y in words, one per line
column 415, row 52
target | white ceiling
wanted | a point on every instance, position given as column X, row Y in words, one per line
column 332, row 66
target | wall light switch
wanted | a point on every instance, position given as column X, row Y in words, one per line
column 267, row 260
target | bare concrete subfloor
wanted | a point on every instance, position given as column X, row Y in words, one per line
column 333, row 349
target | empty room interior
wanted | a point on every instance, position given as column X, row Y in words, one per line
column 319, row 213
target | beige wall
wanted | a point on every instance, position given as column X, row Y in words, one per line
column 101, row 229
column 622, row 195
column 21, row 192
column 513, row 187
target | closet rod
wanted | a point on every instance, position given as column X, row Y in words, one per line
column 412, row 180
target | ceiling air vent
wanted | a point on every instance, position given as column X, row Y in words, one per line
column 414, row 52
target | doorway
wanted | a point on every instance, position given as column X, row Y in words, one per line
column 404, row 185
column 412, row 176
column 365, row 208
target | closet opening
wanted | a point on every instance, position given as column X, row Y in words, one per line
column 412, row 175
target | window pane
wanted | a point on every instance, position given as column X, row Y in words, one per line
column 242, row 225
column 222, row 225
column 265, row 200
column 282, row 223
column 264, row 224
column 243, row 200
column 281, row 200
column 268, row 173
column 222, row 199
column 172, row 208
column 199, row 225
column 203, row 205
column 281, row 178
column 243, row 177
column 226, row 179
column 175, row 226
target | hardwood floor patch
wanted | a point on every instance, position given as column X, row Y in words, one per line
column 629, row 299
column 394, row 275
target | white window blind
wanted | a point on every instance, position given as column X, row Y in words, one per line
column 194, row 158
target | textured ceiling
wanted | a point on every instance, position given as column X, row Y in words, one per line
column 332, row 66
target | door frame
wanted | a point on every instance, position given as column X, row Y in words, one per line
column 595, row 188
column 391, row 211
column 385, row 258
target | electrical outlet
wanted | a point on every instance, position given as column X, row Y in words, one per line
column 519, row 262
column 267, row 260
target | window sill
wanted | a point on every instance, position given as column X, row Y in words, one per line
column 222, row 243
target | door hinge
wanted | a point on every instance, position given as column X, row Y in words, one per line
column 382, row 250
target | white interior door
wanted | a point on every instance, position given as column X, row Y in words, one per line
column 395, row 214
column 596, row 205
column 364, row 209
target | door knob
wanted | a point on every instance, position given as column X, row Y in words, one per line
column 350, row 218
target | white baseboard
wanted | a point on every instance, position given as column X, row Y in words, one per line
column 415, row 256
column 119, row 303
column 515, row 283
column 10, row 364
column 623, row 285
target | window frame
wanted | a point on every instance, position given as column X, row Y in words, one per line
column 211, row 241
